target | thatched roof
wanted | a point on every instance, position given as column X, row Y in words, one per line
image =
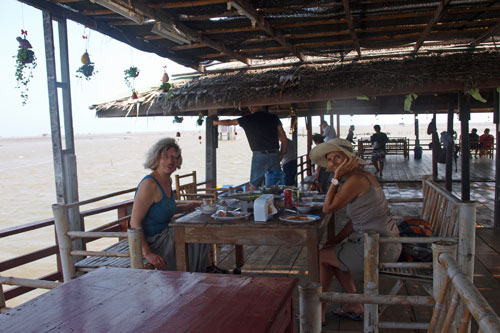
column 196, row 33
column 384, row 81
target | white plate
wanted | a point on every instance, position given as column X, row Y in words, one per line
column 208, row 212
column 231, row 218
column 291, row 218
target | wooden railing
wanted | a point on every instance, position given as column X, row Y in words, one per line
column 27, row 258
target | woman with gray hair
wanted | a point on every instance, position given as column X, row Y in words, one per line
column 155, row 205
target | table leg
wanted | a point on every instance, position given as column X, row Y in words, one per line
column 313, row 255
column 239, row 254
column 181, row 253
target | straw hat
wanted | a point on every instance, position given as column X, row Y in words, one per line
column 318, row 153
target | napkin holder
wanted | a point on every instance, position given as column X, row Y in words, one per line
column 263, row 208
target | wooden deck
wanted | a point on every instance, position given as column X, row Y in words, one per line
column 290, row 260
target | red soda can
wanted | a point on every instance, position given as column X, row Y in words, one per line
column 288, row 198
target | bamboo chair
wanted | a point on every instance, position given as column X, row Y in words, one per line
column 451, row 219
column 190, row 190
column 126, row 253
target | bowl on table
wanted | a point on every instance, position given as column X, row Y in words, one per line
column 307, row 194
column 207, row 209
column 303, row 208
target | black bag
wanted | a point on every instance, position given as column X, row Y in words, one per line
column 421, row 252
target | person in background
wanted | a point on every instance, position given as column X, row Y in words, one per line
column 289, row 163
column 328, row 131
column 350, row 135
column 154, row 207
column 264, row 133
column 367, row 209
column 321, row 176
column 378, row 140
column 474, row 142
column 485, row 142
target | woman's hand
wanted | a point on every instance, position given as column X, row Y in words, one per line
column 155, row 260
column 345, row 167
column 186, row 207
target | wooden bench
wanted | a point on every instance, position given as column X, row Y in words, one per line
column 395, row 146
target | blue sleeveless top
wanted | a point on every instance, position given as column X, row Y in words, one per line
column 159, row 214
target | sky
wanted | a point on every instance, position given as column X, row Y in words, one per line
column 111, row 58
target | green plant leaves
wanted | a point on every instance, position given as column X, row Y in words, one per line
column 409, row 101
column 476, row 95
column 25, row 63
column 362, row 98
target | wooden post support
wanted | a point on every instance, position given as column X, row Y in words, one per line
column 61, row 222
column 310, row 307
column 135, row 247
column 3, row 305
column 309, row 144
column 464, row 108
column 496, row 120
column 371, row 244
column 440, row 282
column 451, row 145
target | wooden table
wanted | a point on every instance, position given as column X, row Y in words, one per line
column 130, row 300
column 200, row 228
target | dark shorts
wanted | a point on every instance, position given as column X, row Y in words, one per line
column 378, row 155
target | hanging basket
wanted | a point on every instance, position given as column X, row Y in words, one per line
column 25, row 63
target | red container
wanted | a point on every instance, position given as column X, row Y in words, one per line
column 288, row 198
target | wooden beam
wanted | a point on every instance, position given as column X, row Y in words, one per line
column 249, row 10
column 492, row 31
column 437, row 16
column 168, row 5
column 169, row 20
column 350, row 23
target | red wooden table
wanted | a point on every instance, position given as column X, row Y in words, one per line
column 199, row 228
column 129, row 300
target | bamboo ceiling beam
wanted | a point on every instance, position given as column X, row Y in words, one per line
column 191, row 34
column 195, row 3
column 350, row 23
column 184, row 17
column 437, row 16
column 97, row 12
column 250, row 12
column 484, row 36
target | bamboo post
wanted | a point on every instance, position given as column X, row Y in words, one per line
column 440, row 281
column 450, row 315
column 371, row 253
column 464, row 321
column 3, row 305
column 466, row 246
column 135, row 247
column 61, row 222
column 310, row 307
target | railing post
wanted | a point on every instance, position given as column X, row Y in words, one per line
column 2, row 299
column 371, row 245
column 440, row 282
column 61, row 222
column 310, row 307
column 135, row 247
column 466, row 247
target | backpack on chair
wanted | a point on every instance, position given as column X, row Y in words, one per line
column 421, row 252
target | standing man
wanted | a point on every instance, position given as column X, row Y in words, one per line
column 264, row 133
column 289, row 163
column 328, row 131
column 378, row 140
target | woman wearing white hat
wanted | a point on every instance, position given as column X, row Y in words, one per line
column 367, row 209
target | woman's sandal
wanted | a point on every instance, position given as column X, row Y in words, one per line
column 339, row 312
column 216, row 270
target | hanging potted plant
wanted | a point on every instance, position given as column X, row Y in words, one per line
column 129, row 76
column 25, row 63
column 86, row 71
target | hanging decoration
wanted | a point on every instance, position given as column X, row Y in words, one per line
column 199, row 121
column 165, row 86
column 293, row 119
column 199, row 138
column 25, row 63
column 178, row 134
column 178, row 120
column 130, row 74
column 477, row 96
column 86, row 71
column 408, row 101
column 235, row 133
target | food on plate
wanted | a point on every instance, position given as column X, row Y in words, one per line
column 299, row 218
column 222, row 213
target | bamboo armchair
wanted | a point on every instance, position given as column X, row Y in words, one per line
column 452, row 220
column 126, row 253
